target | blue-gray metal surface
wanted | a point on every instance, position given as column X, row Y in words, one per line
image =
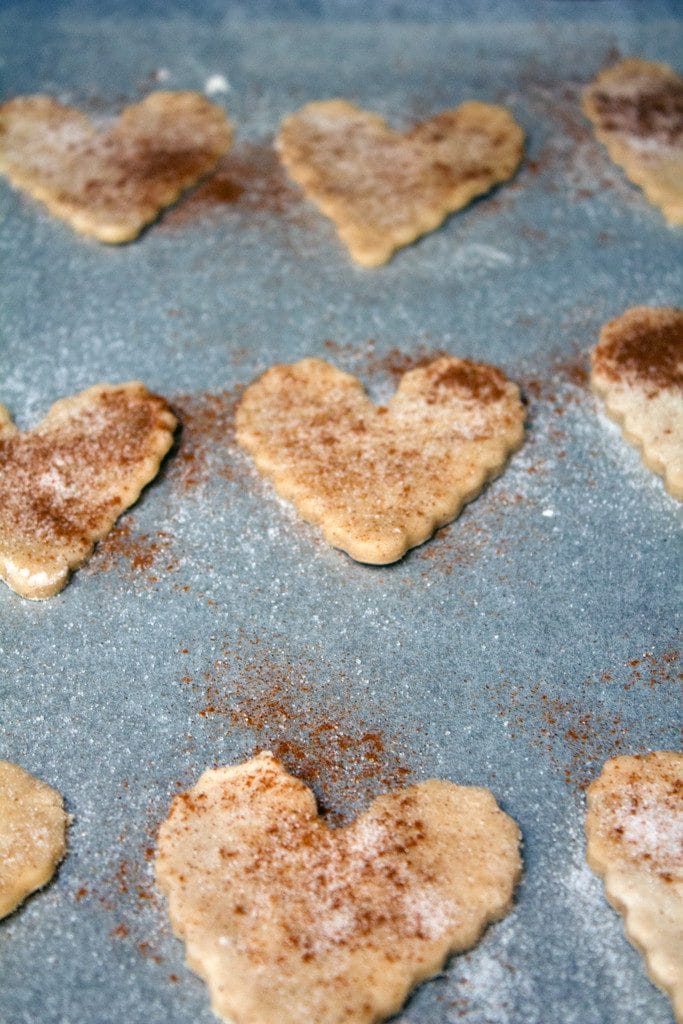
column 518, row 650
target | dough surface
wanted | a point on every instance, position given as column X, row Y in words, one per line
column 64, row 483
column 109, row 184
column 382, row 188
column 634, row 828
column 289, row 921
column 637, row 368
column 380, row 479
column 32, row 835
column 636, row 108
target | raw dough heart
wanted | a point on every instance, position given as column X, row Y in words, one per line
column 634, row 828
column 637, row 368
column 64, row 483
column 636, row 108
column 32, row 834
column 383, row 189
column 289, row 921
column 380, row 480
column 110, row 184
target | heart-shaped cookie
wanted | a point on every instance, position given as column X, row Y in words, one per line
column 637, row 368
column 380, row 479
column 634, row 828
column 64, row 483
column 382, row 188
column 289, row 921
column 636, row 108
column 110, row 184
column 32, row 834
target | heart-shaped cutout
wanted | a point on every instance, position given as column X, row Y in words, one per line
column 637, row 368
column 64, row 483
column 32, row 834
column 380, row 479
column 382, row 188
column 289, row 921
column 636, row 107
column 634, row 829
column 110, row 184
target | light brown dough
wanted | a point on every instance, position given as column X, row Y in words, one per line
column 289, row 921
column 636, row 108
column 634, row 828
column 382, row 188
column 64, row 483
column 637, row 368
column 380, row 479
column 110, row 184
column 32, row 834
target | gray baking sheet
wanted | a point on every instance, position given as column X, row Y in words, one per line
column 518, row 649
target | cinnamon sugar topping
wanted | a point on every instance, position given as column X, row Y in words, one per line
column 636, row 107
column 33, row 826
column 110, row 184
column 655, row 112
column 339, row 923
column 638, row 370
column 639, row 806
column 645, row 345
column 383, row 189
column 64, row 483
column 380, row 479
column 634, row 828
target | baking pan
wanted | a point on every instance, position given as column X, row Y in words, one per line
column 518, row 649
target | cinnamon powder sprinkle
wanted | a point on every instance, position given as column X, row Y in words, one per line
column 250, row 177
column 652, row 670
column 206, row 442
column 576, row 738
column 137, row 556
column 340, row 753
column 396, row 362
column 473, row 536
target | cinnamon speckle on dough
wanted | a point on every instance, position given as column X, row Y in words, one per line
column 110, row 184
column 65, row 482
column 644, row 346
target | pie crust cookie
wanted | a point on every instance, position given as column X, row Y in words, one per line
column 32, row 835
column 382, row 188
column 637, row 368
column 380, row 479
column 64, row 483
column 636, row 108
column 634, row 828
column 288, row 920
column 111, row 183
